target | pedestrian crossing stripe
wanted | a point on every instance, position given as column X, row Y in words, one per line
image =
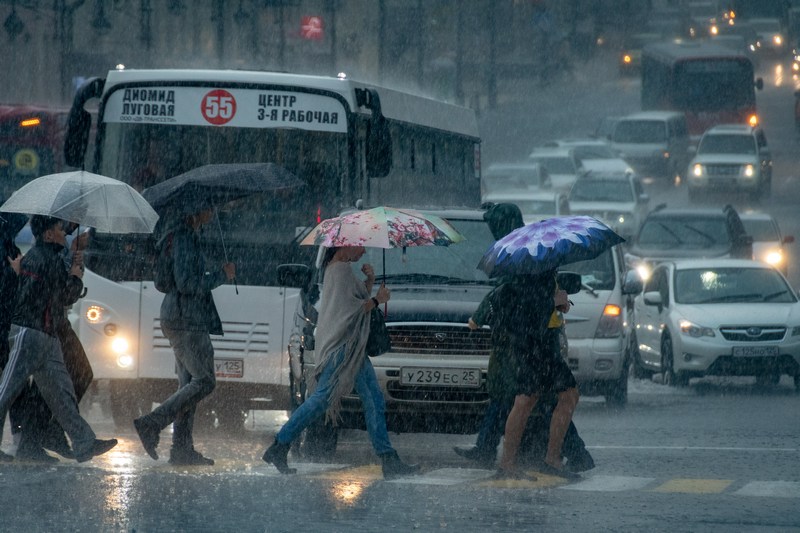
column 694, row 486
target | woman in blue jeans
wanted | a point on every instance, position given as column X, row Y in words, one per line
column 341, row 339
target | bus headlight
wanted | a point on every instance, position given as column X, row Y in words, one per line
column 125, row 361
column 749, row 171
column 95, row 314
column 698, row 170
column 120, row 345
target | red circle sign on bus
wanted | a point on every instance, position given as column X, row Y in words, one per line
column 218, row 106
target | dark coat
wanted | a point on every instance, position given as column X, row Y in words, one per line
column 190, row 305
column 45, row 289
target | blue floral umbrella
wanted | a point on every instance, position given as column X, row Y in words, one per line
column 548, row 244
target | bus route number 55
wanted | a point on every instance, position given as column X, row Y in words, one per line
column 218, row 107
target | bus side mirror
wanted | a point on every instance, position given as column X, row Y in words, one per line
column 379, row 138
column 294, row 275
column 759, row 83
column 79, row 123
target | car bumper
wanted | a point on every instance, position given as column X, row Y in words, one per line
column 593, row 360
column 725, row 183
column 699, row 356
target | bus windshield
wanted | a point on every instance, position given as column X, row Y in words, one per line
column 714, row 85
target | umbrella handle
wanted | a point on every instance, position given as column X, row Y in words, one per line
column 224, row 248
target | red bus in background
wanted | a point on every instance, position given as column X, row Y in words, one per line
column 31, row 144
column 708, row 82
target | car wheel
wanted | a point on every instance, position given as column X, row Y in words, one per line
column 617, row 392
column 671, row 377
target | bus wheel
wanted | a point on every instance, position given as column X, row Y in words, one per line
column 128, row 401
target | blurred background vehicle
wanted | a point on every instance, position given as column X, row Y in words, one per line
column 594, row 154
column 616, row 198
column 560, row 163
column 534, row 204
column 730, row 317
column 654, row 143
column 506, row 176
column 630, row 56
column 771, row 35
column 768, row 240
column 678, row 233
column 731, row 157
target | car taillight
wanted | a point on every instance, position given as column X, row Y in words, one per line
column 610, row 324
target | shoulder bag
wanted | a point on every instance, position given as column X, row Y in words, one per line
column 378, row 342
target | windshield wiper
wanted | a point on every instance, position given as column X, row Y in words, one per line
column 770, row 296
column 703, row 234
column 418, row 277
column 743, row 297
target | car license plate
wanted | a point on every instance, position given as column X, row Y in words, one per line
column 229, row 368
column 755, row 351
column 441, row 377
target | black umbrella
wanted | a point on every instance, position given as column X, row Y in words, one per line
column 210, row 185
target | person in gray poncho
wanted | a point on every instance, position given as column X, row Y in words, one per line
column 341, row 338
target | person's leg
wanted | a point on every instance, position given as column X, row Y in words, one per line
column 493, row 426
column 182, row 426
column 515, row 426
column 194, row 351
column 562, row 416
column 374, row 408
column 76, row 361
column 24, row 357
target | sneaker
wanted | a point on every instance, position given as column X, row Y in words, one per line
column 98, row 448
column 148, row 434
column 188, row 456
column 474, row 454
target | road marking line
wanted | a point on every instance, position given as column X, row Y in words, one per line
column 611, row 483
column 703, row 448
column 772, row 489
column 358, row 473
column 543, row 481
column 694, row 486
column 446, row 476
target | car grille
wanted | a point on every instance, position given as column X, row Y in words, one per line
column 438, row 394
column 723, row 170
column 440, row 340
column 241, row 338
column 753, row 333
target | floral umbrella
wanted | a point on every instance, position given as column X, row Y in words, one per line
column 548, row 244
column 384, row 227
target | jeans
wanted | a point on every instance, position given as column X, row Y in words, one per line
column 366, row 385
column 493, row 426
column 194, row 362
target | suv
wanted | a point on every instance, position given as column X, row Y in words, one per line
column 654, row 143
column 617, row 198
column 677, row 233
column 731, row 156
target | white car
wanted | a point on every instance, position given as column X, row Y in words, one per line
column 771, row 37
column 561, row 164
column 768, row 241
column 731, row 157
column 732, row 317
column 616, row 198
column 505, row 176
column 535, row 205
column 596, row 155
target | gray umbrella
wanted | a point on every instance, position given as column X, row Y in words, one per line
column 105, row 204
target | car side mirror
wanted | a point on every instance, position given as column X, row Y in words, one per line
column 759, row 83
column 653, row 298
column 570, row 282
column 294, row 275
column 633, row 283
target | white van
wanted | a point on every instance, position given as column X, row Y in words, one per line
column 654, row 143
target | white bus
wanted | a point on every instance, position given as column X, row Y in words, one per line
column 345, row 139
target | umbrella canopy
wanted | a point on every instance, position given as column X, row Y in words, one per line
column 384, row 227
column 106, row 204
column 11, row 224
column 210, row 185
column 548, row 244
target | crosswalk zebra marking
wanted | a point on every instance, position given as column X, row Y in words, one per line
column 611, row 484
column 446, row 476
column 771, row 489
column 694, row 486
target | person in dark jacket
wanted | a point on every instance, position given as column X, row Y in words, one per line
column 188, row 318
column 44, row 290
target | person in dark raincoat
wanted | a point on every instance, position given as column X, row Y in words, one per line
column 188, row 318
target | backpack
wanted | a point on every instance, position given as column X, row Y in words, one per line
column 163, row 277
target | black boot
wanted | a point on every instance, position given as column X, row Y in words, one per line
column 276, row 455
column 482, row 458
column 188, row 457
column 393, row 467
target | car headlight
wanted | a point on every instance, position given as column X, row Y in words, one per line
column 774, row 257
column 698, row 170
column 644, row 270
column 777, row 39
column 694, row 330
column 795, row 331
column 749, row 171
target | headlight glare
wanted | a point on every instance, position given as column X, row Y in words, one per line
column 693, row 330
column 749, row 171
column 697, row 170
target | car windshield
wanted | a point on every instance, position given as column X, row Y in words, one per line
column 640, row 131
column 761, row 229
column 597, row 273
column 592, row 190
column 727, row 144
column 731, row 285
column 595, row 151
column 680, row 232
column 555, row 164
column 457, row 263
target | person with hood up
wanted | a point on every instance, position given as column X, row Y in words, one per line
column 188, row 318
